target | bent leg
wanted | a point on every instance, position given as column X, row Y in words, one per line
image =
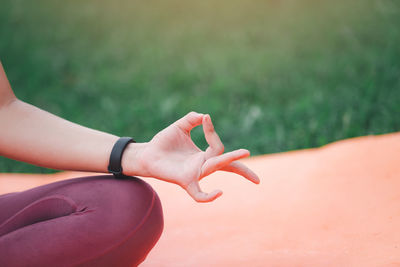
column 91, row 221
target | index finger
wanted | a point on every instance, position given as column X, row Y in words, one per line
column 215, row 145
column 189, row 121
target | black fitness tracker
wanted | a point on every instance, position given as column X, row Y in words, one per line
column 114, row 165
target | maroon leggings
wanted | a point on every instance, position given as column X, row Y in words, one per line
column 89, row 221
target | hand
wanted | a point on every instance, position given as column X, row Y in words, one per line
column 173, row 157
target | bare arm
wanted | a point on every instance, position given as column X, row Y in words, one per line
column 32, row 135
column 6, row 94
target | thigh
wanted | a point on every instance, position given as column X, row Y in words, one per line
column 90, row 221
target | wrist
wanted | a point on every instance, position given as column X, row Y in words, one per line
column 131, row 161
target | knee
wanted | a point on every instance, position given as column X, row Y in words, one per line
column 145, row 223
column 133, row 202
column 131, row 217
column 146, row 205
column 122, row 204
column 138, row 197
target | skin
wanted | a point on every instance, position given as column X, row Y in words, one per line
column 35, row 136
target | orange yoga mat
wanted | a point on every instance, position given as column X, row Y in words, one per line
column 338, row 205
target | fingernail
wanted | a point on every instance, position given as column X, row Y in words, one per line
column 245, row 151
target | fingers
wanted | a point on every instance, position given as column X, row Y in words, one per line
column 195, row 192
column 241, row 169
column 216, row 163
column 215, row 145
column 189, row 121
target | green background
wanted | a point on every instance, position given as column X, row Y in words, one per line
column 274, row 75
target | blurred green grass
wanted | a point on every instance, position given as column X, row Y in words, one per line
column 275, row 75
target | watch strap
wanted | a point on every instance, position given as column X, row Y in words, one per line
column 114, row 165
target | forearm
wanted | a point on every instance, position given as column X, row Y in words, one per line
column 32, row 135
